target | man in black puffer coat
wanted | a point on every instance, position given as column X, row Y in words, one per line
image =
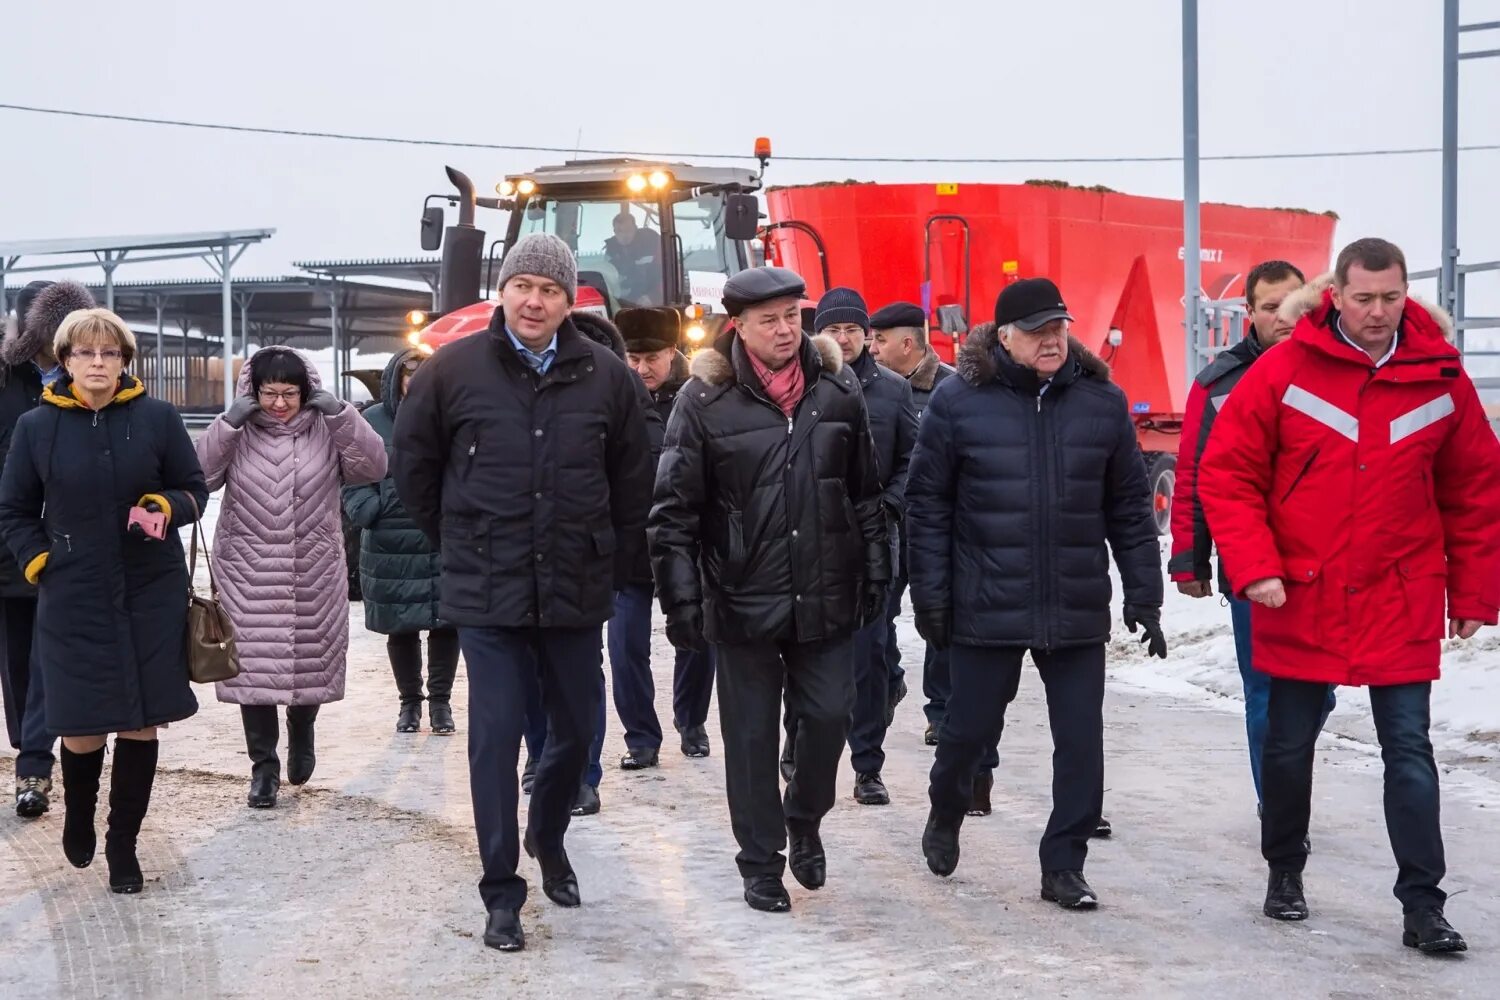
column 1026, row 465
column 399, row 574
column 768, row 538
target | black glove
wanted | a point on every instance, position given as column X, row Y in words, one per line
column 325, row 403
column 1149, row 619
column 936, row 626
column 685, row 628
column 873, row 601
column 240, row 411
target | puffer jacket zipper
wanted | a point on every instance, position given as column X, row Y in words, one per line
column 1043, row 534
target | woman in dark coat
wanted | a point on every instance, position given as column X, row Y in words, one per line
column 111, row 600
column 398, row 575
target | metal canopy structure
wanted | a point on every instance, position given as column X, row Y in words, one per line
column 220, row 249
column 415, row 269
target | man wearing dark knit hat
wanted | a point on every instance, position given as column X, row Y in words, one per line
column 893, row 426
column 768, row 539
column 522, row 453
column 27, row 364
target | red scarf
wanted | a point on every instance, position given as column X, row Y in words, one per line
column 783, row 387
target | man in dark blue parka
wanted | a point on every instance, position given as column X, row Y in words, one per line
column 1025, row 466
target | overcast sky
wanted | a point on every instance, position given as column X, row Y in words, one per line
column 979, row 78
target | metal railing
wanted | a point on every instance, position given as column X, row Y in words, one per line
column 1221, row 325
column 1487, row 374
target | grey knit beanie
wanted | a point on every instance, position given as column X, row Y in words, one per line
column 545, row 256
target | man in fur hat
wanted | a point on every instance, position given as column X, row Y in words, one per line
column 1026, row 466
column 1353, row 486
column 768, row 538
column 26, row 365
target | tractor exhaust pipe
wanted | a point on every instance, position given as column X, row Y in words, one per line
column 463, row 251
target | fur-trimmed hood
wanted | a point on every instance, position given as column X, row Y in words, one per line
column 598, row 329
column 976, row 359
column 714, row 366
column 924, row 377
column 1311, row 295
column 676, row 378
column 37, row 328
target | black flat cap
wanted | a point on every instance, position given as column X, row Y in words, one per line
column 897, row 314
column 761, row 284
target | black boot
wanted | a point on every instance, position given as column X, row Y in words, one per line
column 869, row 790
column 940, row 843
column 587, row 802
column 528, row 775
column 1428, row 931
column 559, row 881
column 930, row 735
column 979, row 798
column 1068, row 890
column 80, row 777
column 1103, row 829
column 694, row 741
column 301, row 755
column 410, row 718
column 440, row 714
column 502, row 931
column 639, row 760
column 897, row 696
column 130, row 781
column 807, row 861
column 788, row 761
column 1284, row 899
column 767, row 894
column 262, row 731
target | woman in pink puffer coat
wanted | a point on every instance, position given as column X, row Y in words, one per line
column 282, row 451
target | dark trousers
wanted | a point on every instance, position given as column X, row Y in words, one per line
column 1257, row 687
column 1411, row 782
column 502, row 662
column 536, row 728
column 935, row 685
column 405, row 652
column 630, row 667
column 817, row 678
column 692, row 687
column 985, row 680
column 21, row 677
column 872, row 698
column 894, row 672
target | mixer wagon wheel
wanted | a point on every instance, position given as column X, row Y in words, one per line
column 1161, row 473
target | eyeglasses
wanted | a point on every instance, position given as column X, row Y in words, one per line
column 87, row 355
column 288, row 397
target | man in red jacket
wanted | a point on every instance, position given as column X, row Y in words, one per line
column 1268, row 285
column 1352, row 485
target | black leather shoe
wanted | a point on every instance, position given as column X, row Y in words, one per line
column 940, row 844
column 806, row 859
column 410, row 719
column 1284, row 899
column 440, row 715
column 869, row 790
column 528, row 775
column 979, row 798
column 1068, row 890
column 559, row 881
column 587, row 803
column 695, row 742
column 503, row 931
column 767, row 894
column 1103, row 830
column 930, row 735
column 264, row 785
column 31, row 796
column 788, row 762
column 1428, row 931
column 639, row 760
column 897, row 697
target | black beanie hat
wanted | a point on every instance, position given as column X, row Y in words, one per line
column 841, row 305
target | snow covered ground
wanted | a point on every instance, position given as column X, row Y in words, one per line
column 361, row 884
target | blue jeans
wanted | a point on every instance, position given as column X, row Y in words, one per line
column 1258, row 690
column 1411, row 782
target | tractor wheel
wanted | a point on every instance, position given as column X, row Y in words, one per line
column 1161, row 473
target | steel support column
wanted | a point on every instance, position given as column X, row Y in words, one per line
column 1191, row 234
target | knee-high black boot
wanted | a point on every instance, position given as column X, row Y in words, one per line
column 301, row 755
column 262, row 731
column 130, row 782
column 80, row 775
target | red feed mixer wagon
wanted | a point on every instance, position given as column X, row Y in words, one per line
column 1116, row 257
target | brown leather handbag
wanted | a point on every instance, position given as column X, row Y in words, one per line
column 211, row 653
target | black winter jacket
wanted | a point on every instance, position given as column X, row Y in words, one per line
column 773, row 523
column 111, row 613
column 1013, row 495
column 893, row 427
column 20, row 391
column 925, row 378
column 662, row 401
column 535, row 487
column 398, row 567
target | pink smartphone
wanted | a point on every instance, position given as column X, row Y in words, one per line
column 154, row 525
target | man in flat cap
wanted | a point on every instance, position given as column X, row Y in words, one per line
column 768, row 540
column 651, row 338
